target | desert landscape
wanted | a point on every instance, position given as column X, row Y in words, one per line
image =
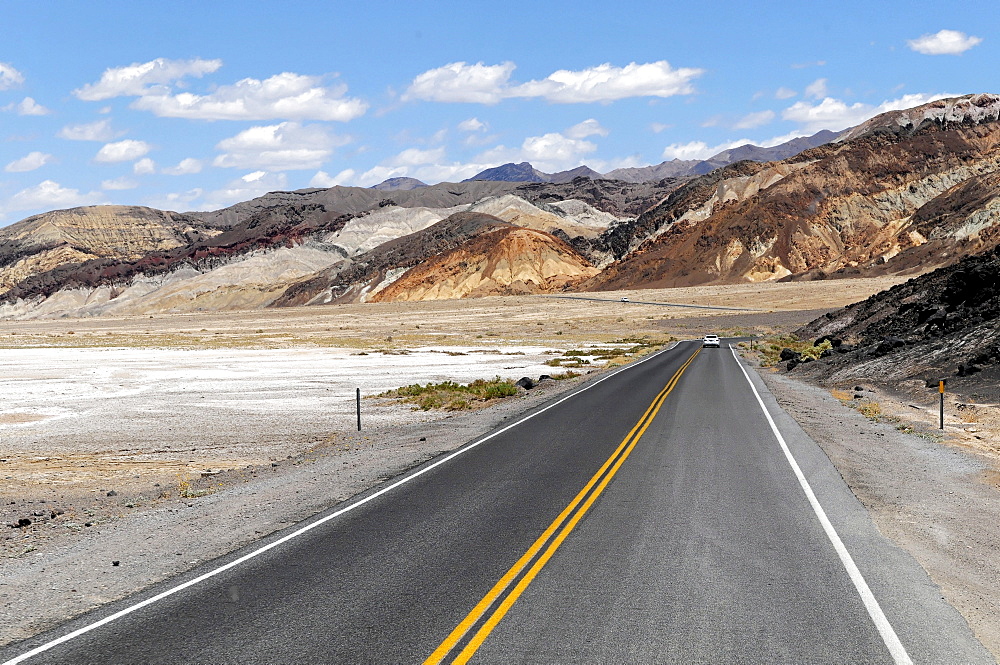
column 168, row 440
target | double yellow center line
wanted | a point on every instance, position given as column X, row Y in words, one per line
column 550, row 541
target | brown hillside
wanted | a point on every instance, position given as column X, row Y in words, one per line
column 504, row 261
column 44, row 242
column 891, row 201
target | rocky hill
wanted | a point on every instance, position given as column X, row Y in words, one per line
column 45, row 242
column 899, row 198
column 942, row 324
column 503, row 261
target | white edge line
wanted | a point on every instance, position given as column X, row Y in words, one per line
column 896, row 648
column 284, row 539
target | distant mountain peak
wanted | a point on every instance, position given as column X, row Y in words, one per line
column 511, row 172
column 399, row 184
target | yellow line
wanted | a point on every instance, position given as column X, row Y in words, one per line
column 627, row 444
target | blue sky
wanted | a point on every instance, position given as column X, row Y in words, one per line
column 197, row 105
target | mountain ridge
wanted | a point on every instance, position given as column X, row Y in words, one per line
column 916, row 190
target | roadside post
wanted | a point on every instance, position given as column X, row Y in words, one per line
column 359, row 409
column 941, row 393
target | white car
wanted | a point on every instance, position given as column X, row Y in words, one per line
column 624, row 299
column 711, row 340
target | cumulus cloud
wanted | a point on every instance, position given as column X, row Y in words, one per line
column 50, row 195
column 752, row 120
column 249, row 186
column 140, row 78
column 9, row 77
column 27, row 106
column 179, row 200
column 282, row 147
column 283, row 96
column 118, row 184
column 93, row 131
column 586, row 128
column 30, row 162
column 462, row 82
column 324, row 179
column 817, row 89
column 489, row 84
column 944, row 42
column 122, row 151
column 472, row 125
column 416, row 157
column 548, row 152
column 606, row 83
column 696, row 149
column 835, row 114
column 144, row 166
column 185, row 167
column 784, row 93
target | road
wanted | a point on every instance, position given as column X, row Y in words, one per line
column 658, row 304
column 653, row 517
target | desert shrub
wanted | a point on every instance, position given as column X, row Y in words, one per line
column 451, row 395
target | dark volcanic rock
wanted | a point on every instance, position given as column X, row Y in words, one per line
column 939, row 324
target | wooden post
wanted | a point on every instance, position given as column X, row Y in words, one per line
column 359, row 409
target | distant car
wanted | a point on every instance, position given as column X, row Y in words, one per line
column 624, row 299
column 711, row 340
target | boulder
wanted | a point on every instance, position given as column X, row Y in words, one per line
column 788, row 354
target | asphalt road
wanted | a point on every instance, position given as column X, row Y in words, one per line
column 651, row 518
column 658, row 304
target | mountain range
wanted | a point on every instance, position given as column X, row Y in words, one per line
column 675, row 168
column 903, row 193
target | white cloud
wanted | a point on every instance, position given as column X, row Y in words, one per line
column 324, row 179
column 185, row 167
column 461, row 82
column 248, row 187
column 943, row 42
column 658, row 127
column 30, row 162
column 9, row 77
column 117, row 184
column 489, row 84
column 416, row 157
column 122, row 151
column 27, row 106
column 586, row 128
column 178, row 200
column 140, row 78
column 550, row 152
column 752, row 120
column 144, row 166
column 50, row 195
column 606, row 83
column 817, row 89
column 283, row 96
column 835, row 114
column 784, row 93
column 93, row 131
column 282, row 147
column 699, row 149
column 472, row 125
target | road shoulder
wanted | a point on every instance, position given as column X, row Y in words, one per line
column 933, row 500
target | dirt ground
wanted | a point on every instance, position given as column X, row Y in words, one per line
column 106, row 468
